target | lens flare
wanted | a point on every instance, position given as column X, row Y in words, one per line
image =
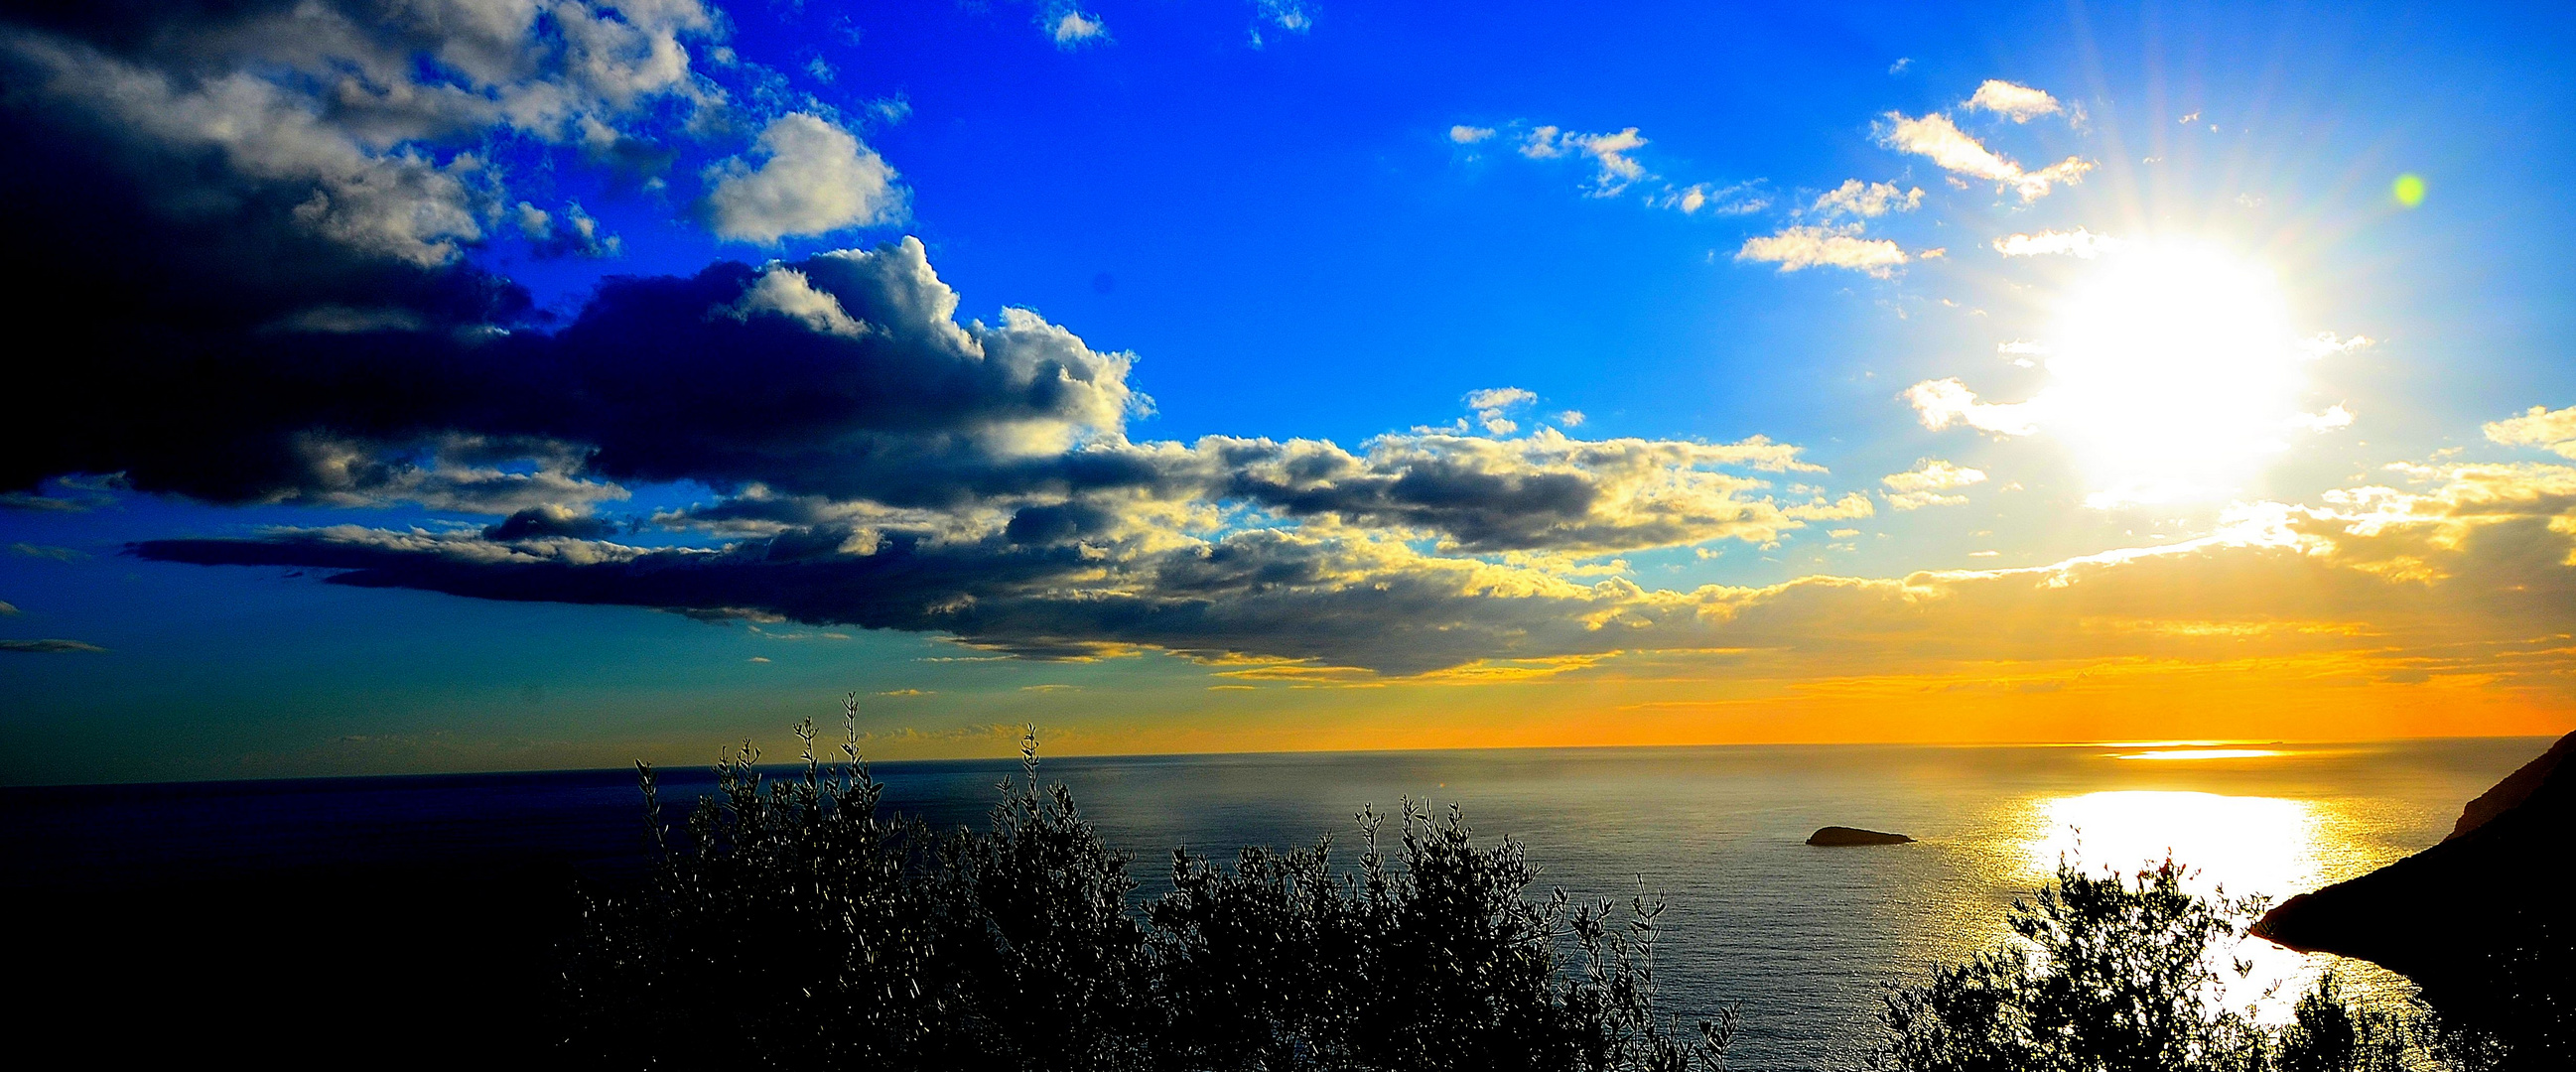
column 2409, row 189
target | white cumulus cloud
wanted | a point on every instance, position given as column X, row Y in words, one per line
column 2552, row 430
column 2331, row 418
column 817, row 178
column 1071, row 26
column 2021, row 104
column 1945, row 402
column 1925, row 484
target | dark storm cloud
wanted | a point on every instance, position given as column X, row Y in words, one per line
column 735, row 376
column 196, row 191
column 1540, row 492
column 255, row 218
column 540, row 522
column 257, row 226
column 1257, row 594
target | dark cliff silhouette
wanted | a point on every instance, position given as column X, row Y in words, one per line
column 2484, row 922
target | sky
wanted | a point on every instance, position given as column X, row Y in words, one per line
column 427, row 385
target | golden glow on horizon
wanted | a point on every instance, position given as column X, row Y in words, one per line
column 2174, row 372
column 2138, row 705
column 2206, row 753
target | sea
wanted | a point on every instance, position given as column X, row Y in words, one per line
column 1803, row 940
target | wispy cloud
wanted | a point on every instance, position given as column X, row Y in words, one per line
column 1287, row 16
column 58, row 554
column 2326, row 420
column 2076, row 243
column 2326, row 344
column 1868, row 200
column 1492, row 404
column 47, row 647
column 1616, row 170
column 1795, row 248
column 1936, row 137
column 1739, row 199
column 1926, row 484
column 570, row 233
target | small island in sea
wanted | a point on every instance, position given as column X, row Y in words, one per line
column 1839, row 836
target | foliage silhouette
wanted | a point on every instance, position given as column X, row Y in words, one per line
column 2113, row 973
column 789, row 924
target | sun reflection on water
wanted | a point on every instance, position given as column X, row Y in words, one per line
column 2248, row 845
column 2239, row 845
column 2205, row 753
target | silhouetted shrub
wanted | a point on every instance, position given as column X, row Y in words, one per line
column 2518, row 1012
column 2123, row 974
column 1431, row 960
column 788, row 924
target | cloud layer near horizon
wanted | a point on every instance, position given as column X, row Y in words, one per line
column 2468, row 575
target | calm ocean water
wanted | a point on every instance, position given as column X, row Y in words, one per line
column 1805, row 938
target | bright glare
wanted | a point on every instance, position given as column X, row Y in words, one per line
column 2247, row 844
column 2243, row 845
column 2174, row 373
column 2205, row 753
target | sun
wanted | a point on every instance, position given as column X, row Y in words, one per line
column 2174, row 373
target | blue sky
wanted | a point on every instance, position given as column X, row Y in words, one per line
column 1338, row 222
